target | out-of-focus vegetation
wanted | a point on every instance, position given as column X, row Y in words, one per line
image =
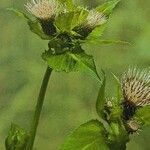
column 71, row 97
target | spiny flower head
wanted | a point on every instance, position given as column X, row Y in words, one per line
column 136, row 87
column 43, row 9
column 95, row 19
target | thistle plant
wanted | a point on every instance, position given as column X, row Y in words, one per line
column 66, row 27
column 119, row 117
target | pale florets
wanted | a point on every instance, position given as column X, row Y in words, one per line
column 136, row 87
column 43, row 9
column 95, row 19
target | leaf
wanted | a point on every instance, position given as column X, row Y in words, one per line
column 68, row 3
column 119, row 91
column 106, row 42
column 69, row 62
column 96, row 33
column 100, row 103
column 17, row 138
column 35, row 26
column 107, row 7
column 119, row 136
column 89, row 136
column 65, row 22
column 18, row 13
column 143, row 115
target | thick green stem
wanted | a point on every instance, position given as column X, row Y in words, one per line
column 38, row 109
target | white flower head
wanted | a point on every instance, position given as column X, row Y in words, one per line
column 43, row 9
column 136, row 87
column 95, row 18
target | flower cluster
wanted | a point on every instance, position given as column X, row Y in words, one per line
column 47, row 10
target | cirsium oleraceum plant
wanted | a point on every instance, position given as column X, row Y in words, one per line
column 119, row 117
column 67, row 27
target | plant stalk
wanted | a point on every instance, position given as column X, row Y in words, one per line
column 38, row 108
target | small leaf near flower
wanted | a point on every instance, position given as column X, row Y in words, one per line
column 17, row 138
column 89, row 136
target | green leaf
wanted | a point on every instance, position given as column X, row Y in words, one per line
column 143, row 115
column 96, row 33
column 106, row 42
column 69, row 62
column 18, row 13
column 118, row 84
column 68, row 3
column 17, row 138
column 100, row 103
column 65, row 22
column 107, row 7
column 119, row 136
column 35, row 26
column 89, row 136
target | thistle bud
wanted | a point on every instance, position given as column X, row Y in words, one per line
column 45, row 11
column 93, row 20
column 133, row 125
column 17, row 138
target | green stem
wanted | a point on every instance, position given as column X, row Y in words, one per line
column 38, row 109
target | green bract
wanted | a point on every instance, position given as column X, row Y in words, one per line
column 17, row 138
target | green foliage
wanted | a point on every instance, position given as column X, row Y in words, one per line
column 118, row 85
column 97, row 32
column 89, row 136
column 34, row 25
column 17, row 138
column 95, row 35
column 100, row 103
column 18, row 13
column 36, row 28
column 143, row 115
column 107, row 7
column 65, row 22
column 70, row 61
column 118, row 136
column 105, row 42
column 69, row 3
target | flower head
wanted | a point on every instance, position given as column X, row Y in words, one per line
column 136, row 87
column 43, row 9
column 95, row 19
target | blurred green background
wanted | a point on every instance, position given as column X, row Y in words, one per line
column 70, row 98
